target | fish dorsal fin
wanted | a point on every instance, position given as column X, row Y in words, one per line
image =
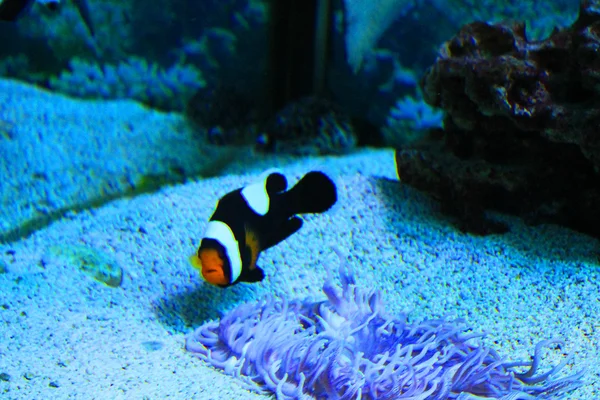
column 256, row 194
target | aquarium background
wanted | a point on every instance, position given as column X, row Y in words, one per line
column 122, row 123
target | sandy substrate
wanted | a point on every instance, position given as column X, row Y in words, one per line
column 59, row 153
column 65, row 335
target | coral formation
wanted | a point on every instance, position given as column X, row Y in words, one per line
column 310, row 125
column 366, row 21
column 409, row 120
column 68, row 34
column 133, row 78
column 222, row 39
column 520, row 132
column 347, row 347
column 228, row 116
column 541, row 17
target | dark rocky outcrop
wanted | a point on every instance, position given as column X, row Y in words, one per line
column 522, row 126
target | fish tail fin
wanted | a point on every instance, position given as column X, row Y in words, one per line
column 314, row 193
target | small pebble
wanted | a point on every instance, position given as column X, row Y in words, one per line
column 4, row 377
column 152, row 345
column 53, row 384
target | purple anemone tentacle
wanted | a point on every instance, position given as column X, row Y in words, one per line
column 348, row 347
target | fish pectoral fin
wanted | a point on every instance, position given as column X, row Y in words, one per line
column 195, row 262
column 285, row 230
column 254, row 275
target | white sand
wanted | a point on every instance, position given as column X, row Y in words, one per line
column 58, row 153
column 62, row 327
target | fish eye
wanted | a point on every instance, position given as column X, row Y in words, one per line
column 263, row 139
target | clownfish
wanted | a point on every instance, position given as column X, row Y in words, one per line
column 254, row 218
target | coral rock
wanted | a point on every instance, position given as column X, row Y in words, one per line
column 520, row 132
column 228, row 116
column 309, row 126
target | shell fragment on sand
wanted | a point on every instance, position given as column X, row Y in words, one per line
column 93, row 262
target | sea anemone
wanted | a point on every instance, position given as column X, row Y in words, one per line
column 347, row 347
